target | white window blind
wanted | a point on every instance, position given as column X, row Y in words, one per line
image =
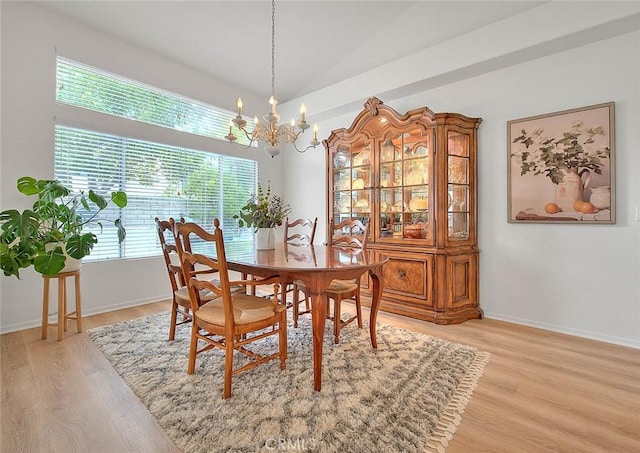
column 160, row 181
column 86, row 87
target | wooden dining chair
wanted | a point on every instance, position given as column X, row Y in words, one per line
column 350, row 234
column 181, row 303
column 298, row 232
column 234, row 319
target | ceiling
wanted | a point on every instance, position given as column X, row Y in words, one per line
column 318, row 43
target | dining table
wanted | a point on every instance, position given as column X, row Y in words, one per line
column 316, row 266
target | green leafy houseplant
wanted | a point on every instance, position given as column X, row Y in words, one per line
column 550, row 156
column 263, row 210
column 39, row 236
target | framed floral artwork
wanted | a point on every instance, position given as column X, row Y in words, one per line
column 561, row 167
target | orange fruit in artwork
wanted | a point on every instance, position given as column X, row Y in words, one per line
column 584, row 207
column 588, row 208
column 577, row 206
column 552, row 208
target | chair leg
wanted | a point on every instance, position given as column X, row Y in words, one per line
column 193, row 348
column 336, row 320
column 174, row 316
column 228, row 367
column 283, row 341
column 359, row 310
column 283, row 294
column 296, row 308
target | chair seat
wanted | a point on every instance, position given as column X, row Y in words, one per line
column 246, row 310
column 205, row 294
column 337, row 286
column 342, row 286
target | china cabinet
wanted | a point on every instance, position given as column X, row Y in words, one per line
column 412, row 177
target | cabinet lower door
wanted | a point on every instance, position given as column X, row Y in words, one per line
column 458, row 295
column 408, row 285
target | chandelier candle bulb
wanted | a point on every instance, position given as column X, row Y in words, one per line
column 239, row 107
column 315, row 131
column 303, row 113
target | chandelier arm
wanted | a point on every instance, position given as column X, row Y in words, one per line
column 255, row 136
column 249, row 136
column 304, row 150
column 246, row 147
column 290, row 135
column 288, row 132
column 232, row 138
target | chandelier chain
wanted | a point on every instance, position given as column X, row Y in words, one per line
column 273, row 48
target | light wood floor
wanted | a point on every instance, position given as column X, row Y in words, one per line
column 540, row 392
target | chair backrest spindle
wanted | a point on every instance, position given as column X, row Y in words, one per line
column 350, row 233
column 300, row 231
column 183, row 233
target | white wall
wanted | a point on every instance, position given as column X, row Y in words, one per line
column 578, row 279
column 30, row 38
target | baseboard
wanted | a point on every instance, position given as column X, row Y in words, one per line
column 524, row 322
column 85, row 312
column 575, row 332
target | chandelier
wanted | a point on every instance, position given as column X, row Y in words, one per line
column 271, row 133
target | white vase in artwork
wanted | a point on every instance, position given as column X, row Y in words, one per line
column 571, row 188
column 265, row 239
column 601, row 197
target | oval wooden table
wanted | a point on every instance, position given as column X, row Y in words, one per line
column 316, row 266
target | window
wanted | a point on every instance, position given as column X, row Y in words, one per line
column 82, row 86
column 160, row 181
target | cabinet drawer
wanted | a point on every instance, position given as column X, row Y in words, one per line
column 406, row 276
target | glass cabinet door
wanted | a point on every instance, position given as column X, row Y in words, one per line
column 458, row 180
column 404, row 169
column 352, row 192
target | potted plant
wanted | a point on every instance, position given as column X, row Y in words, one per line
column 52, row 229
column 263, row 212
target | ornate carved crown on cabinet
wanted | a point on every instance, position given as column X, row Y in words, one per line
column 413, row 178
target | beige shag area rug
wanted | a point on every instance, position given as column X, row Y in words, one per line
column 406, row 396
